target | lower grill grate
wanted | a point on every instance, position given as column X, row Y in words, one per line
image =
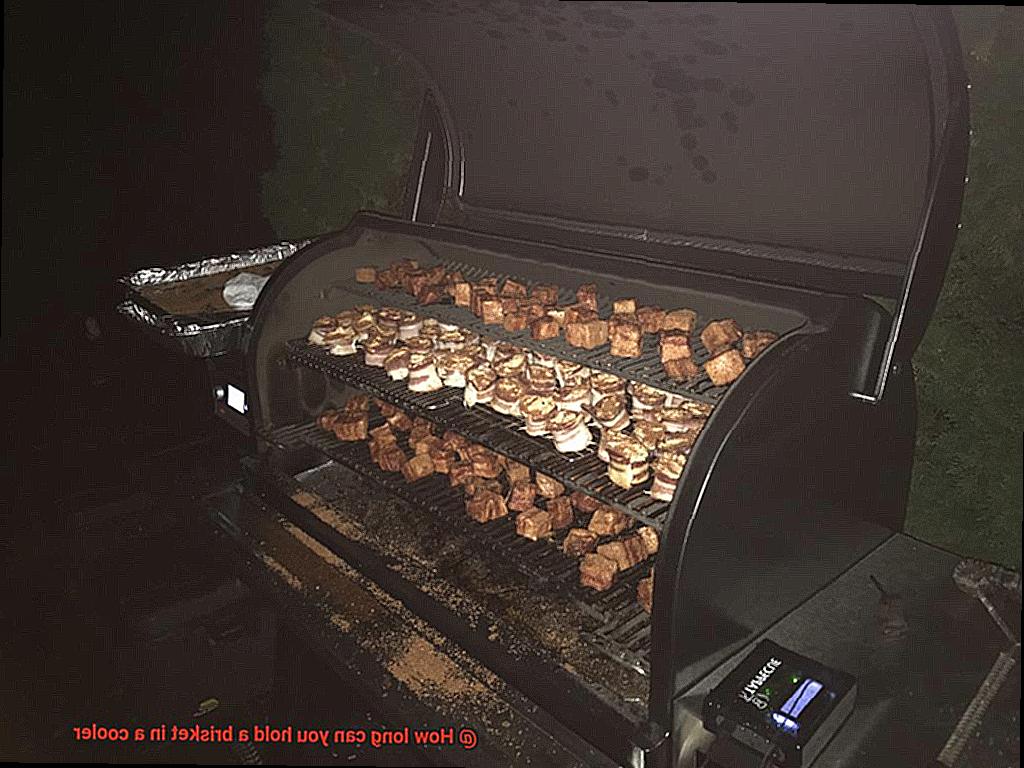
column 623, row 627
column 582, row 471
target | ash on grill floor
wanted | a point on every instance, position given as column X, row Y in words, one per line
column 449, row 566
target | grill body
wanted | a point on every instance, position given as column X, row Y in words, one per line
column 790, row 483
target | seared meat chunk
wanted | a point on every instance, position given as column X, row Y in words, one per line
column 597, row 572
column 719, row 335
column 579, row 541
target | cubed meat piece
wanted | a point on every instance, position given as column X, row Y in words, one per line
column 584, row 503
column 533, row 524
column 462, row 293
column 383, row 435
column 454, row 440
column 516, row 320
column 579, row 541
column 682, row 369
column 357, row 405
column 649, row 537
column 480, row 294
column 557, row 314
column 522, row 496
column 436, row 275
column 366, row 274
column 561, row 513
column 578, row 313
column 675, row 345
column 597, row 572
column 427, row 444
column 475, row 485
column 486, row 506
column 516, row 472
column 351, row 428
column 509, row 304
column 443, row 459
column 546, row 294
column 386, row 409
column 624, row 306
column 393, row 459
column 650, row 318
column 387, row 279
column 417, row 468
column 534, row 309
column 544, row 328
column 513, row 288
column 625, row 338
column 587, row 335
column 679, row 320
column 326, row 419
column 485, row 464
column 719, row 335
column 399, row 421
column 430, row 294
column 460, row 472
column 587, row 296
column 725, row 368
column 755, row 342
column 491, row 311
column 414, row 282
column 625, row 552
column 548, row 487
column 645, row 593
column 607, row 521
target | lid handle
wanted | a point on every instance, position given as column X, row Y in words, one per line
column 935, row 238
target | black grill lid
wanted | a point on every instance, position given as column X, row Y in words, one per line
column 801, row 134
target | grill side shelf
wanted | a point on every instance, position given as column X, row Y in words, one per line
column 623, row 630
column 503, row 434
column 646, row 369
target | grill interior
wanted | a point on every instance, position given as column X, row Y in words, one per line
column 621, row 628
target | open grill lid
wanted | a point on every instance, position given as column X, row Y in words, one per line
column 820, row 146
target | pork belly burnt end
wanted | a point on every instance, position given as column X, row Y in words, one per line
column 719, row 335
column 548, row 487
column 645, row 592
column 625, row 553
column 588, row 334
column 417, row 468
column 522, row 496
column 561, row 512
column 533, row 524
column 597, row 572
column 755, row 342
column 724, row 368
column 486, row 506
column 607, row 521
column 579, row 541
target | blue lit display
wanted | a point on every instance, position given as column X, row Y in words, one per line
column 801, row 697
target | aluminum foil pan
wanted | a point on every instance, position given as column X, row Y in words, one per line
column 198, row 335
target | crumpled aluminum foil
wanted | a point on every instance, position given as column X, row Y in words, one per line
column 193, row 336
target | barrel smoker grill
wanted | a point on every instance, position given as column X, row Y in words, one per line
column 837, row 142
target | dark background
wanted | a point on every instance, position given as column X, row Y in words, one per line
column 134, row 135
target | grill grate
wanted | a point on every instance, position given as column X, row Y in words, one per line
column 581, row 471
column 623, row 627
column 646, row 369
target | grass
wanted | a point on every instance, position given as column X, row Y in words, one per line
column 344, row 126
column 966, row 493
